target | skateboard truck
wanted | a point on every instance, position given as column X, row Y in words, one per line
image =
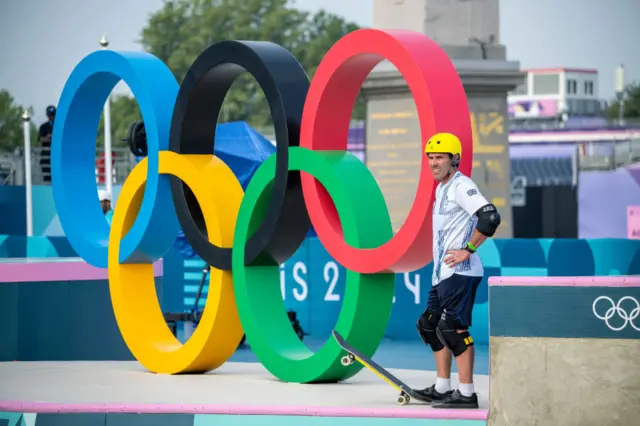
column 348, row 360
column 403, row 399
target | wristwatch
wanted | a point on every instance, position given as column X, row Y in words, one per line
column 470, row 248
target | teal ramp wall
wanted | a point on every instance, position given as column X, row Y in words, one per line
column 312, row 283
column 45, row 217
column 18, row 246
column 125, row 419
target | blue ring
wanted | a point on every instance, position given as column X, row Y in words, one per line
column 73, row 154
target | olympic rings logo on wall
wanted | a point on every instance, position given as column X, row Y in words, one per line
column 311, row 180
column 616, row 309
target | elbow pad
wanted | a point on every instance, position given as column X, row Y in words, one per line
column 488, row 220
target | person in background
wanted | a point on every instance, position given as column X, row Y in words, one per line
column 105, row 203
column 44, row 137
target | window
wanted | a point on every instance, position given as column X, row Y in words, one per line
column 588, row 87
column 572, row 86
column 573, row 107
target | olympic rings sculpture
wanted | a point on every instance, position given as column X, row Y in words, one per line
column 616, row 308
column 310, row 180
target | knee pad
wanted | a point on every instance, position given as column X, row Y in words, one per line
column 456, row 342
column 427, row 325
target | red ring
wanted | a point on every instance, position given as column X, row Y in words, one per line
column 442, row 107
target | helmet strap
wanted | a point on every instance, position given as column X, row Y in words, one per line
column 455, row 162
column 448, row 175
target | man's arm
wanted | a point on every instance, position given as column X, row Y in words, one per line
column 468, row 196
column 488, row 222
column 477, row 239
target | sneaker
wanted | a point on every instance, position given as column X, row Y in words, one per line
column 430, row 394
column 457, row 400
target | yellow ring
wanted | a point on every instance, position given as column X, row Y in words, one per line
column 132, row 286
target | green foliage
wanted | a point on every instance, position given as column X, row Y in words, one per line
column 11, row 130
column 182, row 29
column 631, row 103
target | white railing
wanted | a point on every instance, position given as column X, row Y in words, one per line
column 12, row 169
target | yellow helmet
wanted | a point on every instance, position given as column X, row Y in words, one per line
column 444, row 143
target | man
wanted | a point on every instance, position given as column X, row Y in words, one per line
column 105, row 203
column 462, row 220
column 44, row 137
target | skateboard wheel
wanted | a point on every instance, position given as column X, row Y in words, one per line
column 346, row 360
column 402, row 400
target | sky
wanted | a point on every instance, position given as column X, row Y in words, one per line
column 42, row 41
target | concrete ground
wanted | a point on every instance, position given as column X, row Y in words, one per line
column 114, row 386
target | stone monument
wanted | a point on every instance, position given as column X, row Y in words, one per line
column 468, row 31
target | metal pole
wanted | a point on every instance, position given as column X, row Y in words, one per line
column 26, row 118
column 108, row 172
column 620, row 93
column 575, row 165
column 621, row 110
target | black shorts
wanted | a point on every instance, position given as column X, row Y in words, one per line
column 454, row 296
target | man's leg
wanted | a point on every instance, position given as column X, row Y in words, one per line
column 457, row 304
column 427, row 324
column 465, row 361
column 443, row 367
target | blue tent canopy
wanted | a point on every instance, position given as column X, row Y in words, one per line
column 243, row 149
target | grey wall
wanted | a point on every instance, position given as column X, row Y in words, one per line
column 447, row 22
column 491, row 163
column 393, row 151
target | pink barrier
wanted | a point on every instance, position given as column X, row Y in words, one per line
column 55, row 269
column 293, row 410
column 599, row 281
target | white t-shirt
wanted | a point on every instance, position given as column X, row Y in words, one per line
column 454, row 221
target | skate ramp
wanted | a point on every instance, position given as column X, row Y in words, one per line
column 564, row 351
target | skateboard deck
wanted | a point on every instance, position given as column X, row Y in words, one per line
column 406, row 392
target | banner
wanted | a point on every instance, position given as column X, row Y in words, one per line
column 633, row 222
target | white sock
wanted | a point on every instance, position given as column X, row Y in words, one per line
column 466, row 389
column 443, row 385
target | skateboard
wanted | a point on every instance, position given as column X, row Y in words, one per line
column 406, row 392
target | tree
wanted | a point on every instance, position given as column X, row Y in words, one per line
column 11, row 130
column 631, row 103
column 179, row 31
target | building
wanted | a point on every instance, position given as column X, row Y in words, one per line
column 556, row 97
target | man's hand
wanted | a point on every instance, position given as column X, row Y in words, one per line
column 456, row 256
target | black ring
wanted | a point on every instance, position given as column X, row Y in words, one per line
column 193, row 127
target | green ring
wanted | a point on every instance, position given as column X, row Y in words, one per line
column 368, row 298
